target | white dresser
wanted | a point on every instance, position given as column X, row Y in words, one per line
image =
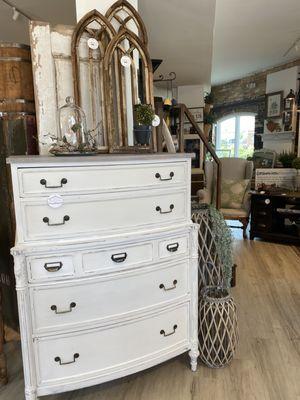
column 106, row 267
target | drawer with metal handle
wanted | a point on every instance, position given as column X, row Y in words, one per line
column 49, row 268
column 75, row 305
column 88, row 216
column 98, row 179
column 117, row 258
column 93, row 353
column 174, row 247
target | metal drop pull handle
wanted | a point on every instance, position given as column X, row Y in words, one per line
column 172, row 247
column 158, row 176
column 63, row 181
column 65, row 219
column 166, row 289
column 58, row 359
column 165, row 212
column 53, row 266
column 119, row 258
column 262, row 213
column 70, row 309
column 162, row 332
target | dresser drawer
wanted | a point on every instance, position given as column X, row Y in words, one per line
column 174, row 247
column 97, row 179
column 47, row 268
column 123, row 256
column 117, row 347
column 92, row 215
column 71, row 305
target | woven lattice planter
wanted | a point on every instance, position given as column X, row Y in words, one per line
column 210, row 271
column 218, row 335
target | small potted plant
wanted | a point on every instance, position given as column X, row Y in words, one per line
column 286, row 159
column 296, row 165
column 144, row 116
column 208, row 100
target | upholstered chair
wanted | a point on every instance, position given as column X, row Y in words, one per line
column 233, row 169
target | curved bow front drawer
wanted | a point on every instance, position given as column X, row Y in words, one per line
column 70, row 306
column 91, row 215
column 98, row 179
column 99, row 352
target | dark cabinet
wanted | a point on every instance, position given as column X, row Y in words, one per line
column 276, row 217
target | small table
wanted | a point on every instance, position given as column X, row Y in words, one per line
column 276, row 216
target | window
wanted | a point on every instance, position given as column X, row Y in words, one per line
column 235, row 136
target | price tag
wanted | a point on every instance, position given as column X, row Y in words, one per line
column 55, row 201
column 126, row 61
column 156, row 120
column 93, row 43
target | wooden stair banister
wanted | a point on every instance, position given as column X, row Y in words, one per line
column 184, row 111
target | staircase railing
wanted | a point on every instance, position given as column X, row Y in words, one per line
column 184, row 112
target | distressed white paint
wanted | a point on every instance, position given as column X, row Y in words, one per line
column 128, row 325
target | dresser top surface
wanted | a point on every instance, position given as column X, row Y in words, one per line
column 36, row 161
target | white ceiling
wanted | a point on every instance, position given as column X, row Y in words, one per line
column 181, row 33
column 252, row 35
column 249, row 35
column 54, row 11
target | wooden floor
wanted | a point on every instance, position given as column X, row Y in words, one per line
column 267, row 364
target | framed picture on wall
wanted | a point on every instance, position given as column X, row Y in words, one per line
column 197, row 113
column 274, row 103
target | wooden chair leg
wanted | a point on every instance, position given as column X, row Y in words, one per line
column 3, row 368
column 244, row 222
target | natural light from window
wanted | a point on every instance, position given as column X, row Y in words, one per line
column 235, row 136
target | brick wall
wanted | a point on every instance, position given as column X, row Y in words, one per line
column 246, row 95
column 248, row 88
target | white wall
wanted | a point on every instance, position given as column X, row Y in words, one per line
column 191, row 95
column 84, row 6
column 285, row 80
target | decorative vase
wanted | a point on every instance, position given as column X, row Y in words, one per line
column 271, row 126
column 142, row 134
column 218, row 334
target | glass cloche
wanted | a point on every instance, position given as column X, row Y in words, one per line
column 72, row 125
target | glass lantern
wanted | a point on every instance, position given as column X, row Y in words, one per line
column 72, row 124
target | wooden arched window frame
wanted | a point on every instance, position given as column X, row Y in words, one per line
column 118, row 140
column 103, row 32
column 130, row 14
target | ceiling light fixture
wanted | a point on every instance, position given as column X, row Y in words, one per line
column 16, row 11
column 16, row 14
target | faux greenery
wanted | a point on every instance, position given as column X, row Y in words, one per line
column 286, row 158
column 208, row 98
column 144, row 114
column 223, row 240
column 209, row 118
column 296, row 163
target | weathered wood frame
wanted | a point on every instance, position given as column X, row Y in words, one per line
column 105, row 29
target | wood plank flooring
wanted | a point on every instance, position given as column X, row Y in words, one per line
column 267, row 364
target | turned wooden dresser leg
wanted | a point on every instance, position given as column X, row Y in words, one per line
column 3, row 368
column 245, row 222
column 194, row 354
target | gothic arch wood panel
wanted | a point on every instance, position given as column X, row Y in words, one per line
column 87, row 68
column 121, row 14
column 125, row 43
